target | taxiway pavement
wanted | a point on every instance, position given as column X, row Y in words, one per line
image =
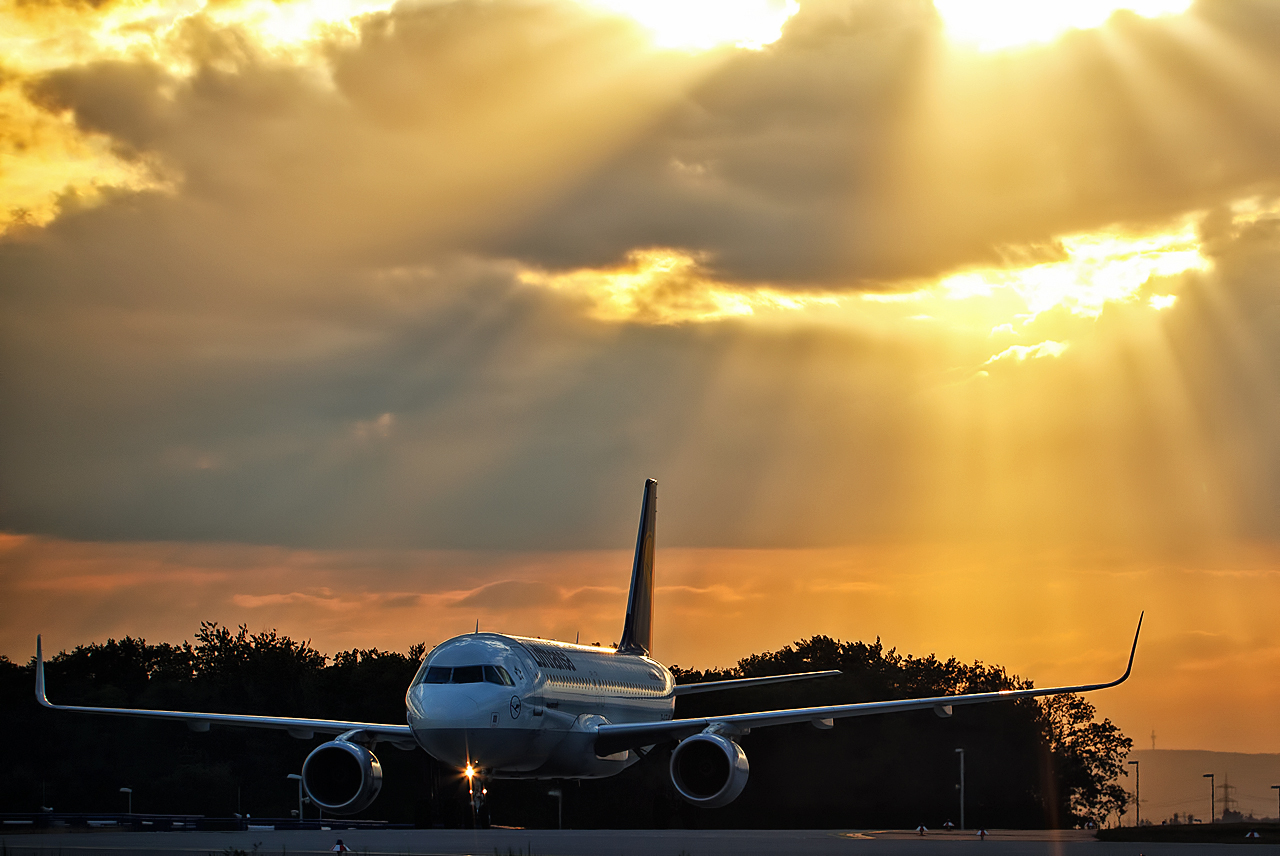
column 542, row 842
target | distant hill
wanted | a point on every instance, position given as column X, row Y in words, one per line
column 1172, row 781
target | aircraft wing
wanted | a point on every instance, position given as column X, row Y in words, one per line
column 739, row 683
column 303, row 729
column 616, row 738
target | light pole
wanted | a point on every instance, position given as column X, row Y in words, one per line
column 298, row 779
column 128, row 791
column 961, row 753
column 1213, row 808
column 1137, row 792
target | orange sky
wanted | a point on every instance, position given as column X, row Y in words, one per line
column 1054, row 616
column 363, row 320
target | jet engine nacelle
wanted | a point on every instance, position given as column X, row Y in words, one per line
column 709, row 769
column 342, row 777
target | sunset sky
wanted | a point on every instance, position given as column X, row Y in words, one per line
column 955, row 323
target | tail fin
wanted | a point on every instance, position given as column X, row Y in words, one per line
column 637, row 633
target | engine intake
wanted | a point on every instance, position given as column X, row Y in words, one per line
column 709, row 770
column 342, row 777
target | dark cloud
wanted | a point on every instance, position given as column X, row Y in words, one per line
column 441, row 63
column 759, row 162
column 320, row 335
column 514, row 423
column 414, row 148
column 861, row 149
column 118, row 98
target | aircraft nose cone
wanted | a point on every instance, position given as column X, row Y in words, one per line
column 445, row 707
column 445, row 719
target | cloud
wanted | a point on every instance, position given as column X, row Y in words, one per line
column 1021, row 353
column 328, row 599
column 377, row 301
column 379, row 428
column 661, row 286
column 51, row 166
column 588, row 596
column 861, row 149
column 518, row 423
column 507, row 594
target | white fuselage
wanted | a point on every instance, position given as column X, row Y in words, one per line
column 532, row 713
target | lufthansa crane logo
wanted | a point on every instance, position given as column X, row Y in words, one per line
column 515, row 707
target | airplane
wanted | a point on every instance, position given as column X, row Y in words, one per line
column 512, row 707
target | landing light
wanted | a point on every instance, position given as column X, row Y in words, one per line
column 470, row 772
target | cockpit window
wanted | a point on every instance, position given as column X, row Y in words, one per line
column 437, row 675
column 498, row 675
column 467, row 675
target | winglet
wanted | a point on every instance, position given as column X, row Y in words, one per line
column 1134, row 650
column 40, row 693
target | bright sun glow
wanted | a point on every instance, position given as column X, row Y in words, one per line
column 668, row 286
column 999, row 24
column 1022, row 353
column 149, row 28
column 1098, row 268
column 282, row 26
column 665, row 286
column 1059, row 299
column 705, row 24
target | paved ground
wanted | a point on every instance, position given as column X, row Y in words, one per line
column 601, row 843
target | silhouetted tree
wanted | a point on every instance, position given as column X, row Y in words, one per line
column 1088, row 759
column 1027, row 764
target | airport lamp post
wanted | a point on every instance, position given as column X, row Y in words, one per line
column 961, row 753
column 128, row 791
column 1137, row 792
column 298, row 779
column 1213, row 808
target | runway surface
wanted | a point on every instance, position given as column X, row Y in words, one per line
column 542, row 842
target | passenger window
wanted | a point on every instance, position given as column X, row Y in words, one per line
column 498, row 675
column 468, row 674
column 437, row 675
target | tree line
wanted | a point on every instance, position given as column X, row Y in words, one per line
column 1030, row 763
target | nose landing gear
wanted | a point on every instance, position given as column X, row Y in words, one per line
column 478, row 796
